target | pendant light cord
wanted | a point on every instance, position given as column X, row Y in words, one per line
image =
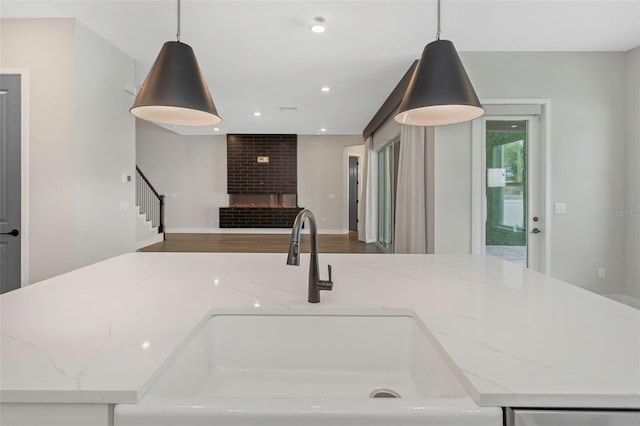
column 178, row 33
column 438, row 31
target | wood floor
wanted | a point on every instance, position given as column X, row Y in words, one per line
column 258, row 243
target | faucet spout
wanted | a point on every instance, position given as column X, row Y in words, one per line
column 293, row 257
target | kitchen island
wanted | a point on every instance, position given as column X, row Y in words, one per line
column 98, row 336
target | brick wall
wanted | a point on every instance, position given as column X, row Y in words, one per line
column 246, row 176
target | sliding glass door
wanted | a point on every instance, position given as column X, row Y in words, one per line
column 388, row 157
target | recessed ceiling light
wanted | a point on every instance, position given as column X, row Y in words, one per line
column 318, row 25
column 323, row 130
column 257, row 113
column 216, row 129
column 325, row 88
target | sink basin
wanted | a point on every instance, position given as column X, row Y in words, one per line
column 265, row 366
column 308, row 356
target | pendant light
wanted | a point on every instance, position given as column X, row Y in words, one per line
column 440, row 91
column 175, row 91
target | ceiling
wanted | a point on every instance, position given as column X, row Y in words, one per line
column 260, row 55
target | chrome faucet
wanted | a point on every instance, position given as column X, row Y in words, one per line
column 293, row 258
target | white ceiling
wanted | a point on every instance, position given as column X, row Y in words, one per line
column 261, row 55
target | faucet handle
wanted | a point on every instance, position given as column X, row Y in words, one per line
column 325, row 284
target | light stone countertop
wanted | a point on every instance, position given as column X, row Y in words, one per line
column 518, row 338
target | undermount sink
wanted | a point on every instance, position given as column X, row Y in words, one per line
column 307, row 367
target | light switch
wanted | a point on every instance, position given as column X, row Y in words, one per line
column 124, row 205
column 130, row 89
column 332, row 195
column 560, row 208
column 126, row 178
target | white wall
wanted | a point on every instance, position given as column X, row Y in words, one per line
column 587, row 92
column 632, row 180
column 47, row 49
column 192, row 172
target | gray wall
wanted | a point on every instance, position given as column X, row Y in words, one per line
column 632, row 180
column 74, row 131
column 322, row 178
column 192, row 172
column 588, row 119
column 452, row 189
column 388, row 131
column 46, row 49
column 104, row 149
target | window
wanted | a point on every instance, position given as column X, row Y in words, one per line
column 388, row 157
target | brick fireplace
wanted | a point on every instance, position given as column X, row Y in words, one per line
column 262, row 181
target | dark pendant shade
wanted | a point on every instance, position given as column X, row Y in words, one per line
column 175, row 92
column 440, row 91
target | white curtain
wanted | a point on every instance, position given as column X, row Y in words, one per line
column 367, row 212
column 410, row 226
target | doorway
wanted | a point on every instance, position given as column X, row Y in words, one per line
column 354, row 163
column 10, row 182
column 513, row 189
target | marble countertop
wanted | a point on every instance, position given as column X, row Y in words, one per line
column 518, row 338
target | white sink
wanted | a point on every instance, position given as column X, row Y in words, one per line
column 307, row 367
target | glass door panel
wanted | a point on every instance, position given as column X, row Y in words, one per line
column 506, row 190
column 387, row 179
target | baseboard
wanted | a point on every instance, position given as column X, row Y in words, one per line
column 282, row 231
column 157, row 239
column 634, row 302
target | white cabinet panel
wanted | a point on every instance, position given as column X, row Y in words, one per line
column 56, row 415
column 575, row 418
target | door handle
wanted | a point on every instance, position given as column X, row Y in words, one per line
column 13, row 233
column 535, row 231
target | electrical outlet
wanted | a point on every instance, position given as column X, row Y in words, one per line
column 560, row 208
column 601, row 273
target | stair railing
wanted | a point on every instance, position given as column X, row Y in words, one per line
column 150, row 202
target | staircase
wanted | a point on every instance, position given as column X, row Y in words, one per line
column 150, row 208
